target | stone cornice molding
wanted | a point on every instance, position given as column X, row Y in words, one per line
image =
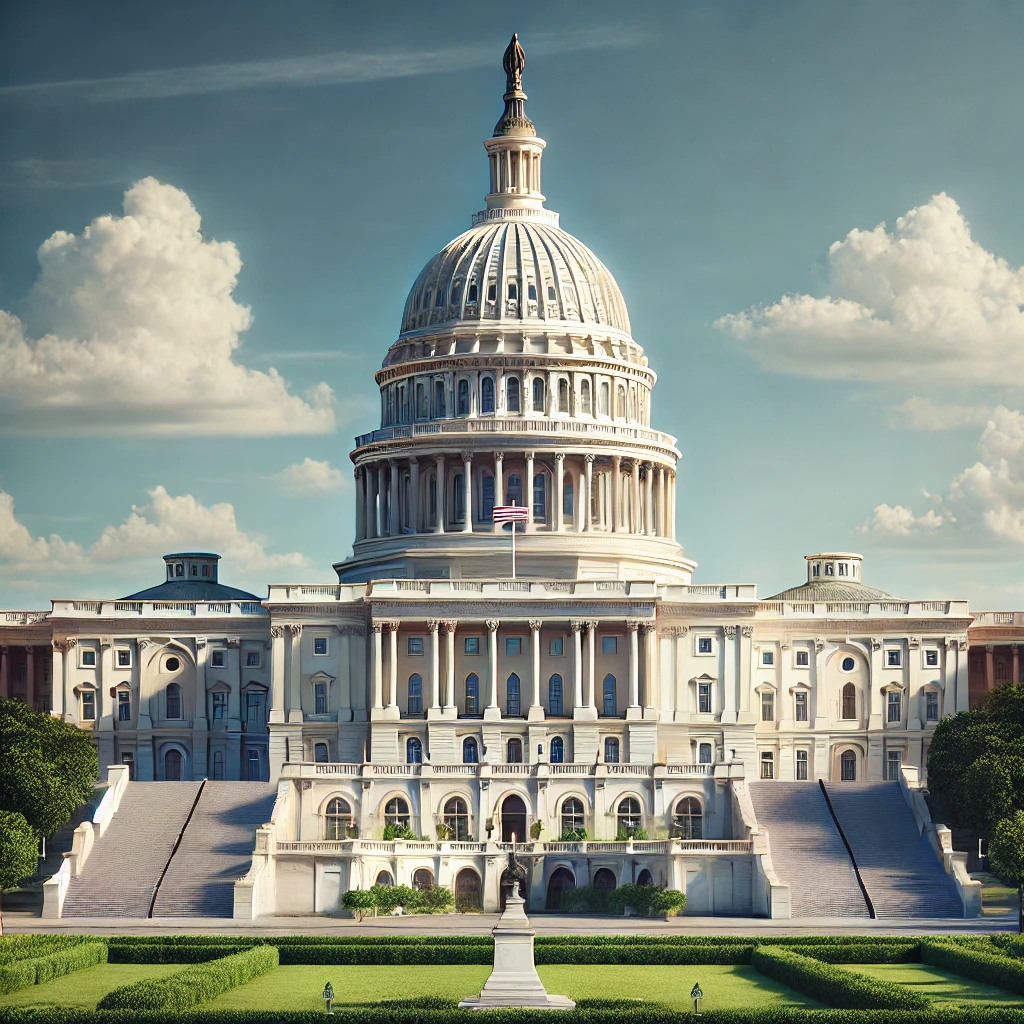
column 475, row 611
column 350, row 629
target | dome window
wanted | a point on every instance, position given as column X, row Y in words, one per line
column 551, row 293
column 513, row 290
column 512, row 394
column 605, row 398
column 531, row 292
column 492, row 292
column 426, row 299
column 439, row 301
column 439, row 398
column 463, row 406
column 473, row 293
column 456, row 292
column 538, row 394
column 487, row 395
column 563, row 395
column 585, row 397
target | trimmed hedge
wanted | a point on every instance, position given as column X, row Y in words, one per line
column 29, row 947
column 368, row 956
column 303, row 940
column 990, row 968
column 679, row 953
column 193, row 985
column 19, row 974
column 69, row 960
column 721, row 940
column 151, row 953
column 865, row 953
column 832, row 985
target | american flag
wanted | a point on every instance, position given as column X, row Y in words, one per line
column 510, row 513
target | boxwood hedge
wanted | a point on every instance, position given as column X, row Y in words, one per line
column 971, row 962
column 73, row 957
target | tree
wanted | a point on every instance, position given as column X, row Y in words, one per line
column 19, row 847
column 47, row 767
column 359, row 901
column 1006, row 855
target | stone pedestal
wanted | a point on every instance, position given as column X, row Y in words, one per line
column 514, row 980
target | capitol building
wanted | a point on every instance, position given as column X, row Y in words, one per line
column 616, row 720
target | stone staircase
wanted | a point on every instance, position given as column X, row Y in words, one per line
column 807, row 850
column 123, row 870
column 899, row 868
column 215, row 850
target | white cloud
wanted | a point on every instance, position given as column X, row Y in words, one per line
column 312, row 477
column 897, row 521
column 918, row 413
column 132, row 328
column 924, row 302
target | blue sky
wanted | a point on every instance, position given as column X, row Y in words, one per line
column 710, row 154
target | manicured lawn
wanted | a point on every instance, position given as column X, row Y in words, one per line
column 941, row 986
column 299, row 988
column 88, row 987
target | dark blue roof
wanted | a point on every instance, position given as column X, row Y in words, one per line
column 191, row 590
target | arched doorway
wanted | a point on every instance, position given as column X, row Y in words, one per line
column 384, row 878
column 604, row 880
column 645, row 878
column 172, row 765
column 422, row 879
column 467, row 888
column 560, row 882
column 513, row 819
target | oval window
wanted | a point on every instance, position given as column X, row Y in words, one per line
column 847, row 664
column 173, row 664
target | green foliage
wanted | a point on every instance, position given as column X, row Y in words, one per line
column 385, row 898
column 436, row 900
column 643, row 899
column 192, row 985
column 668, row 901
column 390, row 897
column 443, row 831
column 373, row 955
column 833, row 985
column 359, row 901
column 573, row 835
column 466, row 904
column 535, row 829
column 681, row 952
column 1006, row 848
column 19, row 847
column 171, row 953
column 32, row 946
column 585, row 899
column 392, row 832
column 630, row 833
column 19, row 974
column 69, row 960
column 47, row 767
column 908, row 952
column 971, row 962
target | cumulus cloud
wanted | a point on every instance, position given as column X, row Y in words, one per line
column 132, row 327
column 897, row 521
column 311, row 477
column 923, row 302
column 918, row 413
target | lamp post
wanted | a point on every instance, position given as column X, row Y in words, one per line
column 329, row 998
column 696, row 995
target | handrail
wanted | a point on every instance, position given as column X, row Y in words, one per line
column 849, row 849
column 174, row 849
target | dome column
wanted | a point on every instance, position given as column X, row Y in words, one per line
column 529, row 493
column 414, row 495
column 394, row 509
column 499, row 486
column 369, row 490
column 588, row 506
column 439, row 493
column 616, row 493
column 492, row 712
column 536, row 709
column 558, row 489
column 633, row 711
column 649, row 500
column 634, row 512
column 360, row 475
column 467, row 490
column 577, row 626
column 672, row 505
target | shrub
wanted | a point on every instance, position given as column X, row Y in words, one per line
column 990, row 968
column 586, row 899
column 535, row 829
column 865, row 952
column 192, row 985
column 172, row 953
column 19, row 974
column 26, row 947
column 369, row 955
column 625, row 833
column 437, row 900
column 639, row 955
column 392, row 832
column 359, row 901
column 668, row 901
column 390, row 897
column 69, row 960
column 466, row 904
column 573, row 835
column 833, row 985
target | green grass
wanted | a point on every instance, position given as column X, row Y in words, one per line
column 86, row 988
column 299, row 988
column 939, row 985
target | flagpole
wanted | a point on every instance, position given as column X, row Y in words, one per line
column 513, row 547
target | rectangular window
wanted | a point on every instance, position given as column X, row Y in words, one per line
column 931, row 659
column 555, row 696
column 893, row 659
column 767, row 657
column 555, row 648
column 842, row 568
column 703, row 645
column 218, row 763
column 801, row 766
column 124, row 706
column 803, row 659
column 128, row 758
column 218, row 658
column 609, row 645
column 220, row 707
column 704, row 698
column 767, row 707
column 88, row 706
column 704, row 753
column 254, row 707
column 252, row 659
column 893, row 763
column 472, row 695
column 320, row 695
column 415, row 645
column 767, row 765
column 88, row 657
column 124, row 657
column 513, row 646
column 801, row 706
column 931, row 706
column 893, row 705
column 319, row 645
column 471, row 645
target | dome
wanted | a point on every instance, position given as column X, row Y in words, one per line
column 833, row 590
column 522, row 271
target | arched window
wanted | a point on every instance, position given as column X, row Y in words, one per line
column 172, row 765
column 462, row 407
column 604, row 401
column 458, row 498
column 555, row 695
column 539, row 493
column 422, row 879
column 849, row 701
column 338, row 819
column 474, row 292
column 467, row 888
column 512, row 699
column 415, row 694
column 611, row 750
column 567, row 503
column 608, row 695
column 512, row 394
column 848, row 766
column 620, row 402
column 396, row 812
column 439, row 399
column 218, row 764
column 572, row 815
column 320, row 753
column 514, row 490
column 645, row 878
column 538, row 394
column 687, row 821
column 422, row 408
column 469, row 753
column 585, row 396
column 413, row 751
column 563, row 395
column 604, row 880
column 456, row 818
column 472, row 694
column 628, row 815
column 486, row 394
column 174, row 700
column 456, row 292
column 515, row 751
column 384, row 878
column 557, row 755
column 487, row 498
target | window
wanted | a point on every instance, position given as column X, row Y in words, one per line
column 620, row 402
column 893, row 659
column 513, row 291
column 931, row 659
column 320, row 754
column 439, row 398
column 767, row 657
column 173, row 765
column 462, row 405
column 563, row 395
column 128, row 758
column 894, row 710
column 217, row 658
column 567, row 503
column 539, row 492
column 704, row 698
column 471, row 645
column 512, row 394
column 415, row 706
column 803, row 659
column 531, row 292
column 472, row 694
column 628, row 815
column 422, row 408
column 801, row 766
column 337, row 820
column 538, row 394
column 688, row 819
column 830, row 569
column 514, row 491
column 703, row 645
column 512, row 696
column 413, row 751
column 893, row 763
column 604, row 398
column 611, row 750
column 220, row 707
column 585, row 396
column 704, row 753
column 608, row 696
column 849, row 701
column 931, row 706
column 174, row 701
column 124, row 657
column 320, row 698
column 848, row 664
column 848, row 766
column 557, row 755
column 767, row 765
column 456, row 293
column 513, row 646
column 88, row 658
column 252, row 659
column 816, row 569
column 172, row 665
column 514, row 751
column 179, row 569
column 609, row 644
column 487, row 498
column 415, row 647
column 842, row 568
column 555, row 695
column 767, row 707
column 124, row 706
column 459, row 498
column 319, row 645
column 556, row 647
column 486, row 394
column 456, row 818
column 396, row 812
column 252, row 765
column 572, row 815
column 469, row 754
column 474, row 292
column 254, row 706
column 800, row 702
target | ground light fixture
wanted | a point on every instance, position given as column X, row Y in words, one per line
column 696, row 994
column 329, row 998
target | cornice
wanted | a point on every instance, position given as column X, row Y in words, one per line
column 545, row 610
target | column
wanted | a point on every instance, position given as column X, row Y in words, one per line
column 662, row 526
column 439, row 493
column 295, row 672
column 57, row 689
column 535, row 626
column 449, row 664
column 200, row 717
column 556, row 498
column 672, row 505
column 651, row 664
column 492, row 665
column 588, row 506
column 377, row 666
column 30, row 680
column 990, row 671
column 5, row 658
column 634, row 664
column 435, row 665
column 616, row 492
column 634, row 512
column 649, row 500
column 360, row 477
column 370, row 514
column 499, row 486
column 394, row 507
column 277, row 673
column 392, row 665
column 528, row 485
column 577, row 626
column 591, row 662
column 467, row 479
column 414, row 493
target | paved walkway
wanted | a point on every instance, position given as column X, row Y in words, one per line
column 481, row 924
